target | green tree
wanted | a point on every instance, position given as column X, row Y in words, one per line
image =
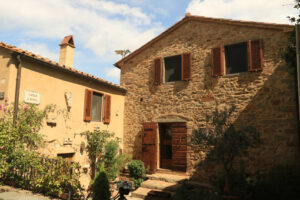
column 101, row 186
column 96, row 141
column 113, row 161
column 224, row 141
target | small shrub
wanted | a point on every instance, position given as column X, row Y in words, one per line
column 101, row 186
column 112, row 161
column 137, row 182
column 136, row 169
column 96, row 141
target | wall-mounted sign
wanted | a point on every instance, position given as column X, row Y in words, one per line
column 32, row 97
column 1, row 95
column 69, row 99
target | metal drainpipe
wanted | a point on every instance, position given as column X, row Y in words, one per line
column 297, row 27
column 17, row 92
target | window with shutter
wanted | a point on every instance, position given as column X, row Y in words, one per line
column 107, row 109
column 217, row 61
column 93, row 104
column 239, row 57
column 175, row 68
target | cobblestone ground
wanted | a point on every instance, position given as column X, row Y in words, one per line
column 10, row 193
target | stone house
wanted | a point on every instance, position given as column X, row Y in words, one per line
column 200, row 64
column 81, row 101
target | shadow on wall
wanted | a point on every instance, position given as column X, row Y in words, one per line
column 273, row 112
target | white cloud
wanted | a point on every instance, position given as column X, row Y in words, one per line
column 99, row 25
column 254, row 10
column 113, row 73
column 40, row 49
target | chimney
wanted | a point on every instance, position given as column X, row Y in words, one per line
column 66, row 54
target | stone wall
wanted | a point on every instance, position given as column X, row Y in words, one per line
column 265, row 100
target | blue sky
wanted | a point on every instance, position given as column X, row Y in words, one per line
column 101, row 26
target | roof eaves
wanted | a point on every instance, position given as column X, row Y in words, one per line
column 283, row 27
column 55, row 65
column 169, row 30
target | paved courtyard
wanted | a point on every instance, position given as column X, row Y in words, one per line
column 10, row 193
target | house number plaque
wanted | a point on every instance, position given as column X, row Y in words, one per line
column 32, row 97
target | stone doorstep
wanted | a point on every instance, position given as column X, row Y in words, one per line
column 133, row 198
column 170, row 178
column 160, row 185
column 140, row 192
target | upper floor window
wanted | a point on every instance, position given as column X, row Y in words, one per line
column 236, row 58
column 174, row 68
column 240, row 57
column 97, row 106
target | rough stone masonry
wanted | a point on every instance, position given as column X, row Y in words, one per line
column 265, row 100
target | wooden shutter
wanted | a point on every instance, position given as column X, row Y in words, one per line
column 149, row 148
column 158, row 71
column 179, row 146
column 255, row 55
column 186, row 66
column 107, row 109
column 87, row 113
column 217, row 61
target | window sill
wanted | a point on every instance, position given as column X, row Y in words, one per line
column 235, row 74
column 172, row 82
column 96, row 121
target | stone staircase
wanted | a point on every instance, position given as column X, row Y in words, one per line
column 159, row 186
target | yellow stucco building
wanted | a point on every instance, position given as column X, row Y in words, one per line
column 82, row 102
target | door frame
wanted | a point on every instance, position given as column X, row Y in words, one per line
column 174, row 124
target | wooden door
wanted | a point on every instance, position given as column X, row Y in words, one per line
column 149, row 154
column 165, row 133
column 179, row 146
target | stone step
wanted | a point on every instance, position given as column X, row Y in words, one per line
column 134, row 198
column 160, row 194
column 170, row 178
column 160, row 185
column 156, row 198
column 140, row 192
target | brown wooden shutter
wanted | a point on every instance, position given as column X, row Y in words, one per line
column 179, row 146
column 255, row 55
column 149, row 154
column 107, row 109
column 87, row 113
column 217, row 61
column 158, row 71
column 186, row 66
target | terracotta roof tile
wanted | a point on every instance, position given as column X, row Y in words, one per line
column 189, row 17
column 62, row 67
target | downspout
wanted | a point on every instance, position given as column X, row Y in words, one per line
column 17, row 92
column 297, row 27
